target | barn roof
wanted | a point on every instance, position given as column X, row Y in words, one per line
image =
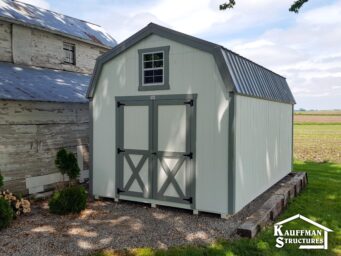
column 30, row 15
column 41, row 84
column 240, row 75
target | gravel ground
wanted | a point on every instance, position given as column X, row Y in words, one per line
column 106, row 224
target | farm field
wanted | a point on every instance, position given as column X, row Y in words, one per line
column 317, row 136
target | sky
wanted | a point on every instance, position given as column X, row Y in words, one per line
column 304, row 47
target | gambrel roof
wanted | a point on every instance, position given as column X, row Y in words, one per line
column 240, row 75
column 33, row 16
column 42, row 84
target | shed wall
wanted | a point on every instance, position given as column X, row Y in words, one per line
column 31, row 133
column 191, row 71
column 263, row 146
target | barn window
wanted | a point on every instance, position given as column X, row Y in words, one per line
column 154, row 68
column 69, row 53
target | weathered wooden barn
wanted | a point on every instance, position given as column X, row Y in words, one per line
column 46, row 60
column 182, row 122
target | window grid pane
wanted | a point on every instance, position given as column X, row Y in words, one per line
column 69, row 53
column 153, row 68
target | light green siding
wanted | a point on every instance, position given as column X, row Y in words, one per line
column 263, row 146
column 191, row 71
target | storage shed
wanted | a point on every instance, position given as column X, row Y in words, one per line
column 179, row 121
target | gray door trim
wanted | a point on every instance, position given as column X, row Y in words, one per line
column 157, row 97
column 152, row 101
column 120, row 156
column 190, row 101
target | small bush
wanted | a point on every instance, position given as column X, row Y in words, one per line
column 6, row 214
column 66, row 162
column 68, row 200
column 1, row 181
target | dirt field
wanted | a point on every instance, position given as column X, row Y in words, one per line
column 318, row 136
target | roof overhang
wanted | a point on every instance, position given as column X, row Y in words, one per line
column 150, row 29
column 240, row 75
column 56, row 32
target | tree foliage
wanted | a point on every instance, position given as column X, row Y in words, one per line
column 6, row 213
column 67, row 164
column 295, row 7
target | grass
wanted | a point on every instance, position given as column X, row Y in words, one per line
column 320, row 201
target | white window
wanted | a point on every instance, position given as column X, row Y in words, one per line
column 153, row 68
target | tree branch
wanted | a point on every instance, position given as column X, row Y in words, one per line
column 296, row 6
column 228, row 5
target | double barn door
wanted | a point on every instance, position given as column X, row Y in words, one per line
column 155, row 155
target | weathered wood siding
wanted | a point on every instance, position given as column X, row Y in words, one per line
column 32, row 132
column 28, row 46
column 5, row 41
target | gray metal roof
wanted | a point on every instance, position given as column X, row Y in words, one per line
column 239, row 74
column 251, row 79
column 41, row 84
column 30, row 15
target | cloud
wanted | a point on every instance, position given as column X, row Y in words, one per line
column 304, row 47
column 308, row 53
column 40, row 3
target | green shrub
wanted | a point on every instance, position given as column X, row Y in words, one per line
column 6, row 213
column 1, row 180
column 68, row 200
column 66, row 162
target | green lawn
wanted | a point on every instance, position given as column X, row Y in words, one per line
column 320, row 201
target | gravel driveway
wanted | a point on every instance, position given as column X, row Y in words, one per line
column 106, row 224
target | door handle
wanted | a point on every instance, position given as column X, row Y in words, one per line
column 190, row 155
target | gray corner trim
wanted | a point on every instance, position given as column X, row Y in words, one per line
column 292, row 138
column 91, row 150
column 165, row 85
column 231, row 155
column 214, row 49
column 193, row 146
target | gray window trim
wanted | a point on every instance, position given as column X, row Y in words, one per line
column 165, row 84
